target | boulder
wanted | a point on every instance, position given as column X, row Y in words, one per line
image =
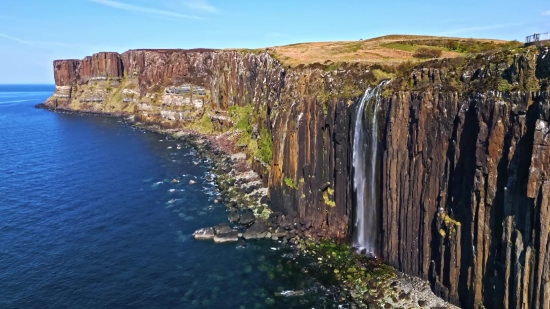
column 280, row 232
column 256, row 231
column 222, row 228
column 233, row 217
column 204, row 233
column 247, row 218
column 231, row 205
column 226, row 237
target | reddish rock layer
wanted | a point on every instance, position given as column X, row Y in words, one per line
column 103, row 65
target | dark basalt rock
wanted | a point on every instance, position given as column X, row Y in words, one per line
column 234, row 217
column 256, row 231
column 247, row 218
column 264, row 200
column 206, row 233
column 464, row 165
column 232, row 236
column 222, row 228
column 231, row 205
column 279, row 232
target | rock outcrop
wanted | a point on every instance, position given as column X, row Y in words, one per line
column 464, row 154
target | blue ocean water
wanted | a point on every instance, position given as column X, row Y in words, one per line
column 89, row 218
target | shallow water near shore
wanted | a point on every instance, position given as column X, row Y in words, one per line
column 91, row 218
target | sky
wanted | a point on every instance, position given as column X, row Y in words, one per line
column 33, row 33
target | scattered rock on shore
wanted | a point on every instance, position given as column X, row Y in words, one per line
column 222, row 228
column 232, row 236
column 256, row 231
column 206, row 233
column 233, row 216
column 247, row 218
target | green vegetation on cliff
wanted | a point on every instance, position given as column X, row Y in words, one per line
column 254, row 135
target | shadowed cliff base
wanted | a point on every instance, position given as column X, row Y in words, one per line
column 464, row 161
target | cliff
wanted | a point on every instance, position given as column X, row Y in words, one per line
column 464, row 151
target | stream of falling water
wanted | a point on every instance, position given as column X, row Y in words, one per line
column 365, row 167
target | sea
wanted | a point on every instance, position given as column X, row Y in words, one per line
column 90, row 218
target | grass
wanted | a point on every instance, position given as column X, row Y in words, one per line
column 203, row 125
column 328, row 197
column 391, row 49
column 401, row 46
column 290, row 183
column 427, row 52
column 265, row 145
column 244, row 117
column 381, row 75
column 350, row 270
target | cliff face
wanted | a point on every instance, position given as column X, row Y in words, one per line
column 464, row 151
column 465, row 195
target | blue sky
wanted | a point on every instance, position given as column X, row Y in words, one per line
column 33, row 33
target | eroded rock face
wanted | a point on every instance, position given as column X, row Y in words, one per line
column 471, row 170
column 465, row 168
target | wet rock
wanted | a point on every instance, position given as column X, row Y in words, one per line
column 192, row 182
column 290, row 293
column 222, row 228
column 238, row 156
column 256, row 231
column 231, row 205
column 247, row 218
column 279, row 232
column 234, row 217
column 206, row 233
column 264, row 199
column 226, row 237
column 242, row 244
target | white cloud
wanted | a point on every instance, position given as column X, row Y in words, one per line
column 16, row 39
column 479, row 28
column 547, row 13
column 201, row 5
column 135, row 8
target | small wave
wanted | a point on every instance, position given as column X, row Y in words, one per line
column 156, row 184
column 14, row 101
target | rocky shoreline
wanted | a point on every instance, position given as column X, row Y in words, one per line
column 245, row 195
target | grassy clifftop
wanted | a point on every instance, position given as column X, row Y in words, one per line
column 391, row 49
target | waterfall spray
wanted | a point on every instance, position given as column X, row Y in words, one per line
column 365, row 171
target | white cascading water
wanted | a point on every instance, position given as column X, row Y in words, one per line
column 365, row 167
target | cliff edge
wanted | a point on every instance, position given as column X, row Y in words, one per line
column 464, row 154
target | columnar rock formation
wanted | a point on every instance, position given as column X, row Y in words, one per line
column 465, row 160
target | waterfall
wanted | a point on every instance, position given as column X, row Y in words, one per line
column 365, row 171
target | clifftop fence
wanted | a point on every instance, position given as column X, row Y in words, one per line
column 538, row 39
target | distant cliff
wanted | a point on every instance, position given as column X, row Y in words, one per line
column 465, row 160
